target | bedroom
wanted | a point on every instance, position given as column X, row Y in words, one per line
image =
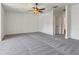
column 29, row 31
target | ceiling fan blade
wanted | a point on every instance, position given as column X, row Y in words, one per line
column 33, row 7
column 30, row 10
column 42, row 9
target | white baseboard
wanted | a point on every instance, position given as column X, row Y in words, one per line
column 18, row 33
column 74, row 38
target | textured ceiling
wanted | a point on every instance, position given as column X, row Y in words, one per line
column 25, row 7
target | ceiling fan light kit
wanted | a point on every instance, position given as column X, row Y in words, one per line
column 37, row 10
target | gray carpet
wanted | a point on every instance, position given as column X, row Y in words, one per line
column 38, row 44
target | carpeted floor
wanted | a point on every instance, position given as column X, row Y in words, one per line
column 38, row 44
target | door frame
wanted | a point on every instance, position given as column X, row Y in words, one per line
column 68, row 22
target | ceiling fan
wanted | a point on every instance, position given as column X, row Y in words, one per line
column 36, row 9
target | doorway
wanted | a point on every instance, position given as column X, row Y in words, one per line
column 59, row 25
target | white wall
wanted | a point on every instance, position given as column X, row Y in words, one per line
column 46, row 22
column 67, row 21
column 1, row 22
column 75, row 21
column 16, row 22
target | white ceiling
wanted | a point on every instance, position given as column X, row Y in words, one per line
column 25, row 7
